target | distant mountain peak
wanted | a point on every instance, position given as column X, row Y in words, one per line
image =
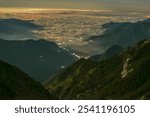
column 112, row 51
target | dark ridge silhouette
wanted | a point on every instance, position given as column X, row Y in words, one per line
column 38, row 58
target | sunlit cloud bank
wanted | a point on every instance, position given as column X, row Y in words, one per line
column 40, row 10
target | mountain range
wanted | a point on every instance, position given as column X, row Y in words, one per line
column 123, row 34
column 121, row 71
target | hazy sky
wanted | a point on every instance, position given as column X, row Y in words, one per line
column 138, row 5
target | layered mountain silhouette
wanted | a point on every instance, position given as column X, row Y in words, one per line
column 15, row 29
column 38, row 58
column 15, row 84
column 123, row 34
column 117, row 73
column 124, row 76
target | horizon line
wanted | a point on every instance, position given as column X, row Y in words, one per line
column 16, row 9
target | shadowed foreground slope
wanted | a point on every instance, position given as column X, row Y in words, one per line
column 14, row 84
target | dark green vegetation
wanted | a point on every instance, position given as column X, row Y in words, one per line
column 38, row 58
column 123, row 34
column 124, row 76
column 14, row 84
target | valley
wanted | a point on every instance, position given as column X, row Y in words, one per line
column 74, row 54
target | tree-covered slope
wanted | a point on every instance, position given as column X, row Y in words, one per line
column 14, row 84
column 125, row 76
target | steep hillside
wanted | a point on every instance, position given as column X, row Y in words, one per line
column 125, row 76
column 14, row 84
column 37, row 58
column 123, row 34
